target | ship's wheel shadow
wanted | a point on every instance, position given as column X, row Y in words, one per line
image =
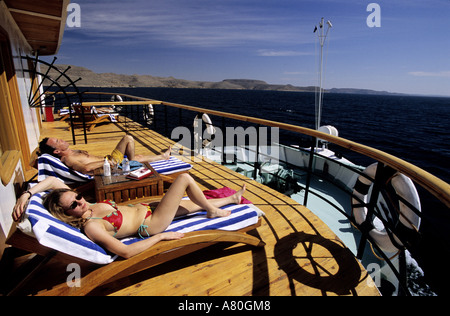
column 301, row 255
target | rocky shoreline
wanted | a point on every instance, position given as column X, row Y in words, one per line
column 106, row 80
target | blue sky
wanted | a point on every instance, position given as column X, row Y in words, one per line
column 270, row 40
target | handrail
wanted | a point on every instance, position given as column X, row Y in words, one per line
column 437, row 187
column 433, row 184
column 100, row 104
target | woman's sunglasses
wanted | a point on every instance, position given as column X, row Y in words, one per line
column 74, row 203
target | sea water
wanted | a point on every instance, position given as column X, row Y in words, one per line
column 413, row 128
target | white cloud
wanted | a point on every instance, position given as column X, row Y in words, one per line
column 444, row 74
column 186, row 23
column 280, row 53
column 295, row 73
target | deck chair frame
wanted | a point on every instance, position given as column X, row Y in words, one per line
column 84, row 117
column 160, row 253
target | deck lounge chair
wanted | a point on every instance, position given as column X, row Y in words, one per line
column 64, row 114
column 43, row 234
column 49, row 166
column 91, row 117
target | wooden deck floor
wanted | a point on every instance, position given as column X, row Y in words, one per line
column 302, row 256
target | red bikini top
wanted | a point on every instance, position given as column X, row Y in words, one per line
column 115, row 218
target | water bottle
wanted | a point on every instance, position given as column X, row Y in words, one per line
column 106, row 168
column 126, row 166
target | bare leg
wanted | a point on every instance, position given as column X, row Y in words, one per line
column 170, row 204
column 126, row 146
column 164, row 156
column 187, row 206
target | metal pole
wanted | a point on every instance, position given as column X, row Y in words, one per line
column 310, row 170
column 322, row 38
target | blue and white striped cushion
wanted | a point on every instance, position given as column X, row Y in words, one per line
column 241, row 216
column 170, row 166
column 52, row 233
column 49, row 166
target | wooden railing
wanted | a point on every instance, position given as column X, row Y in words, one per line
column 439, row 188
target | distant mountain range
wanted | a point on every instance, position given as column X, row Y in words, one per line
column 103, row 80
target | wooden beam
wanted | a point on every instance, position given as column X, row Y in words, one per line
column 40, row 15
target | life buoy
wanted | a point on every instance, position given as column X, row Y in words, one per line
column 148, row 113
column 404, row 187
column 151, row 110
column 116, row 98
column 210, row 130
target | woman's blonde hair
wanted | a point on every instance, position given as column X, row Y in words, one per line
column 51, row 203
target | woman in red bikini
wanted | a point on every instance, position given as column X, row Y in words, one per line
column 104, row 222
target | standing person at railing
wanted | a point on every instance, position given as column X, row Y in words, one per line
column 83, row 162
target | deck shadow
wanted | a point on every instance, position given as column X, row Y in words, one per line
column 336, row 271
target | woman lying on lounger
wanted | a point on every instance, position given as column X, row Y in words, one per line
column 104, row 222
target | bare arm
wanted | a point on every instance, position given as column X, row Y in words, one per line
column 80, row 166
column 90, row 167
column 51, row 183
column 98, row 234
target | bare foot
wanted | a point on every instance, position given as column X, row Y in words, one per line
column 218, row 213
column 234, row 199
column 166, row 155
column 238, row 195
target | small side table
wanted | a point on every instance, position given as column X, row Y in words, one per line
column 121, row 189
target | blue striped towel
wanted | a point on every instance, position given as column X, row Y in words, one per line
column 112, row 116
column 49, row 166
column 170, row 166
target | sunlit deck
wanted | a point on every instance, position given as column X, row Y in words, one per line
column 302, row 255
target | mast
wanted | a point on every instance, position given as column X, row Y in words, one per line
column 322, row 39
